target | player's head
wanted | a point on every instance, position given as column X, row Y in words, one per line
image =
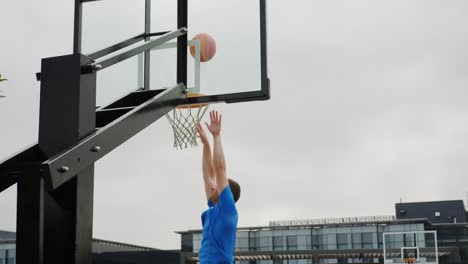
column 235, row 189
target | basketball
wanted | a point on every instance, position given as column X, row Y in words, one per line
column 207, row 47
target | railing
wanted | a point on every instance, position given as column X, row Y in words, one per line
column 360, row 219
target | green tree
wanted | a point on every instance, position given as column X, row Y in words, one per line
column 1, row 80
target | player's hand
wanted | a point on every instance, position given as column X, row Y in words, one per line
column 215, row 125
column 201, row 134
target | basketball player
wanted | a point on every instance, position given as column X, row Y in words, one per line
column 220, row 219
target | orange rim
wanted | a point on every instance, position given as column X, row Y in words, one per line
column 192, row 95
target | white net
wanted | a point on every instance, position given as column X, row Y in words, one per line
column 184, row 122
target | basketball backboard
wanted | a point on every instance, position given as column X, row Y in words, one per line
column 410, row 247
column 237, row 73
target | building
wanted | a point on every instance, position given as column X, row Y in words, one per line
column 7, row 247
column 448, row 218
column 104, row 252
column 433, row 232
column 436, row 212
column 353, row 239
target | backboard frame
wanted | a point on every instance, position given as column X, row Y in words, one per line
column 259, row 95
column 410, row 247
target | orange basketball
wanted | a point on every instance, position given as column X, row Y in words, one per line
column 207, row 47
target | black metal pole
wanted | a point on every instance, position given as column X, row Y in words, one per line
column 182, row 41
column 29, row 217
column 147, row 58
column 66, row 116
column 77, row 27
column 56, row 227
column 182, row 258
column 106, row 51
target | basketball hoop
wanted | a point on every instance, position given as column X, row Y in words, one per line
column 184, row 120
column 410, row 260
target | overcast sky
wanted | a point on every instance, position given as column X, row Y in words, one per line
column 369, row 106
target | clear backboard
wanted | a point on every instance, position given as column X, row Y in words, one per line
column 410, row 247
column 236, row 73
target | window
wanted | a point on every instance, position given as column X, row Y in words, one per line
column 329, row 242
column 357, row 240
column 266, row 244
column 265, row 233
column 367, row 240
column 462, row 237
column 243, row 244
column 292, row 242
column 409, row 240
column 2, row 256
column 316, row 242
column 277, row 243
column 253, row 243
column 342, row 241
column 437, row 214
column 11, row 256
column 304, row 242
column 187, row 243
column 444, row 238
column 395, row 241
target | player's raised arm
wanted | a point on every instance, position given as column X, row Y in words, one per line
column 218, row 155
column 207, row 165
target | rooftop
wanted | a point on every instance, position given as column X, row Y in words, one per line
column 99, row 245
column 326, row 225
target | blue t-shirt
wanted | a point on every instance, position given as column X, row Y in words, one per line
column 219, row 230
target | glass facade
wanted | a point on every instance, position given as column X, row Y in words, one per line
column 7, row 254
column 365, row 236
column 454, row 237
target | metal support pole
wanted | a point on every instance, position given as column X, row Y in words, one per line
column 182, row 258
column 147, row 58
column 182, row 41
column 66, row 116
column 56, row 227
column 77, row 27
column 30, row 209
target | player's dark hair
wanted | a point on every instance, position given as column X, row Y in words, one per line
column 235, row 189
